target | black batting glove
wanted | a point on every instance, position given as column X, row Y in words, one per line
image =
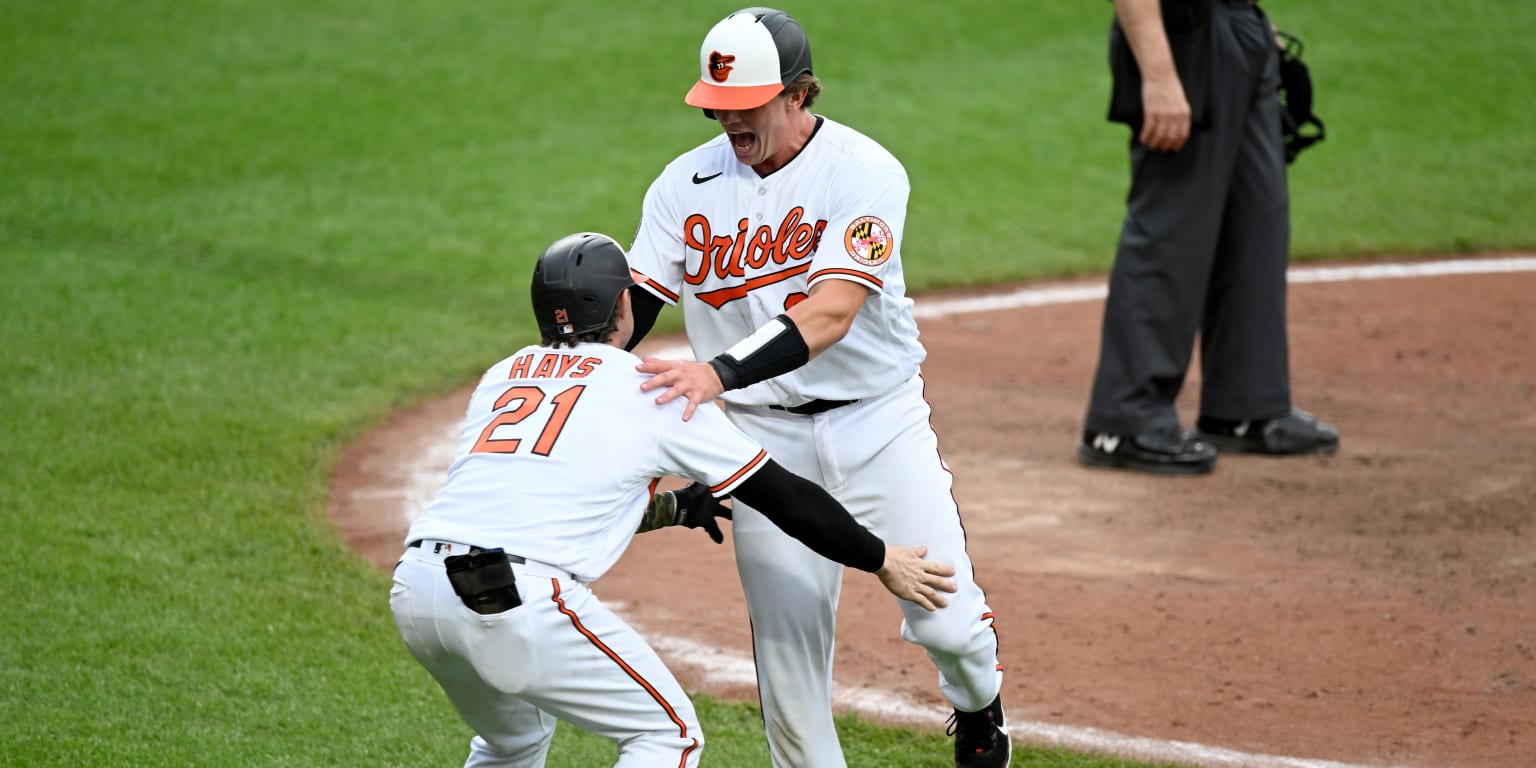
column 698, row 508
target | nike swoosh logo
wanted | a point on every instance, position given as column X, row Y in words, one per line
column 697, row 179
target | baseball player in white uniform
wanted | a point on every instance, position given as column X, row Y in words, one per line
column 781, row 240
column 556, row 468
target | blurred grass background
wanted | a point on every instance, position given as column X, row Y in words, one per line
column 236, row 235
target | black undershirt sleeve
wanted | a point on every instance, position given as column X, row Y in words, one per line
column 646, row 306
column 807, row 512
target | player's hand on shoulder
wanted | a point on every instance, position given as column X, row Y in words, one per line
column 697, row 382
column 910, row 577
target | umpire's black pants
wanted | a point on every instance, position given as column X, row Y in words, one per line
column 1203, row 249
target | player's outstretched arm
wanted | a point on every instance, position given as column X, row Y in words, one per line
column 807, row 512
column 826, row 316
column 781, row 345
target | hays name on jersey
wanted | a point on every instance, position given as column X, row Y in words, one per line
column 552, row 365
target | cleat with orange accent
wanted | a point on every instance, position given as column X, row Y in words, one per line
column 981, row 738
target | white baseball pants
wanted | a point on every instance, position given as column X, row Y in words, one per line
column 879, row 458
column 561, row 654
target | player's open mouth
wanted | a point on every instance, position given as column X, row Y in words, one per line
column 743, row 142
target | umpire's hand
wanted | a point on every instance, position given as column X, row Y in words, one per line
column 1165, row 121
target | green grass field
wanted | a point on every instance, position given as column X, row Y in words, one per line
column 236, row 235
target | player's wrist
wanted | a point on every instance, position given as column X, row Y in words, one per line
column 690, row 501
column 882, row 564
column 724, row 371
column 662, row 511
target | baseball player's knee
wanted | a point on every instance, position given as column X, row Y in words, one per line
column 670, row 748
column 506, row 750
column 951, row 639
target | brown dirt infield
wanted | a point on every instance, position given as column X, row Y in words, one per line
column 1376, row 607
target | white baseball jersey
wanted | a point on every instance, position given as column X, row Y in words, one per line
column 737, row 250
column 742, row 249
column 561, row 451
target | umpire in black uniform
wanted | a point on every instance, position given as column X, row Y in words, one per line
column 1203, row 248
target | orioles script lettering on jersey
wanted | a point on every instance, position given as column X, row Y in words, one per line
column 553, row 366
column 732, row 255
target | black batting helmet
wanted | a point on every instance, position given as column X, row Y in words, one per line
column 576, row 284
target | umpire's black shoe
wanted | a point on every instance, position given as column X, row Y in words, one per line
column 1166, row 451
column 1297, row 433
column 980, row 738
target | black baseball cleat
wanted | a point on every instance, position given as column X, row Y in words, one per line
column 1297, row 433
column 981, row 740
column 1165, row 451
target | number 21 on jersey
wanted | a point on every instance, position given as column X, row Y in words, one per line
column 525, row 402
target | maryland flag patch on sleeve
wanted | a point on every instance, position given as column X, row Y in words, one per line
column 869, row 241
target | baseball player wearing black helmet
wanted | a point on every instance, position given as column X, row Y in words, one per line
column 555, row 473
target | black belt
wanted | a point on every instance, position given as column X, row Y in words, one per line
column 813, row 407
column 473, row 550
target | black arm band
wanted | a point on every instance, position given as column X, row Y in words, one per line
column 645, row 306
column 807, row 512
column 774, row 349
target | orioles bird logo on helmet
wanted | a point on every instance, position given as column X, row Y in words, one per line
column 720, row 66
